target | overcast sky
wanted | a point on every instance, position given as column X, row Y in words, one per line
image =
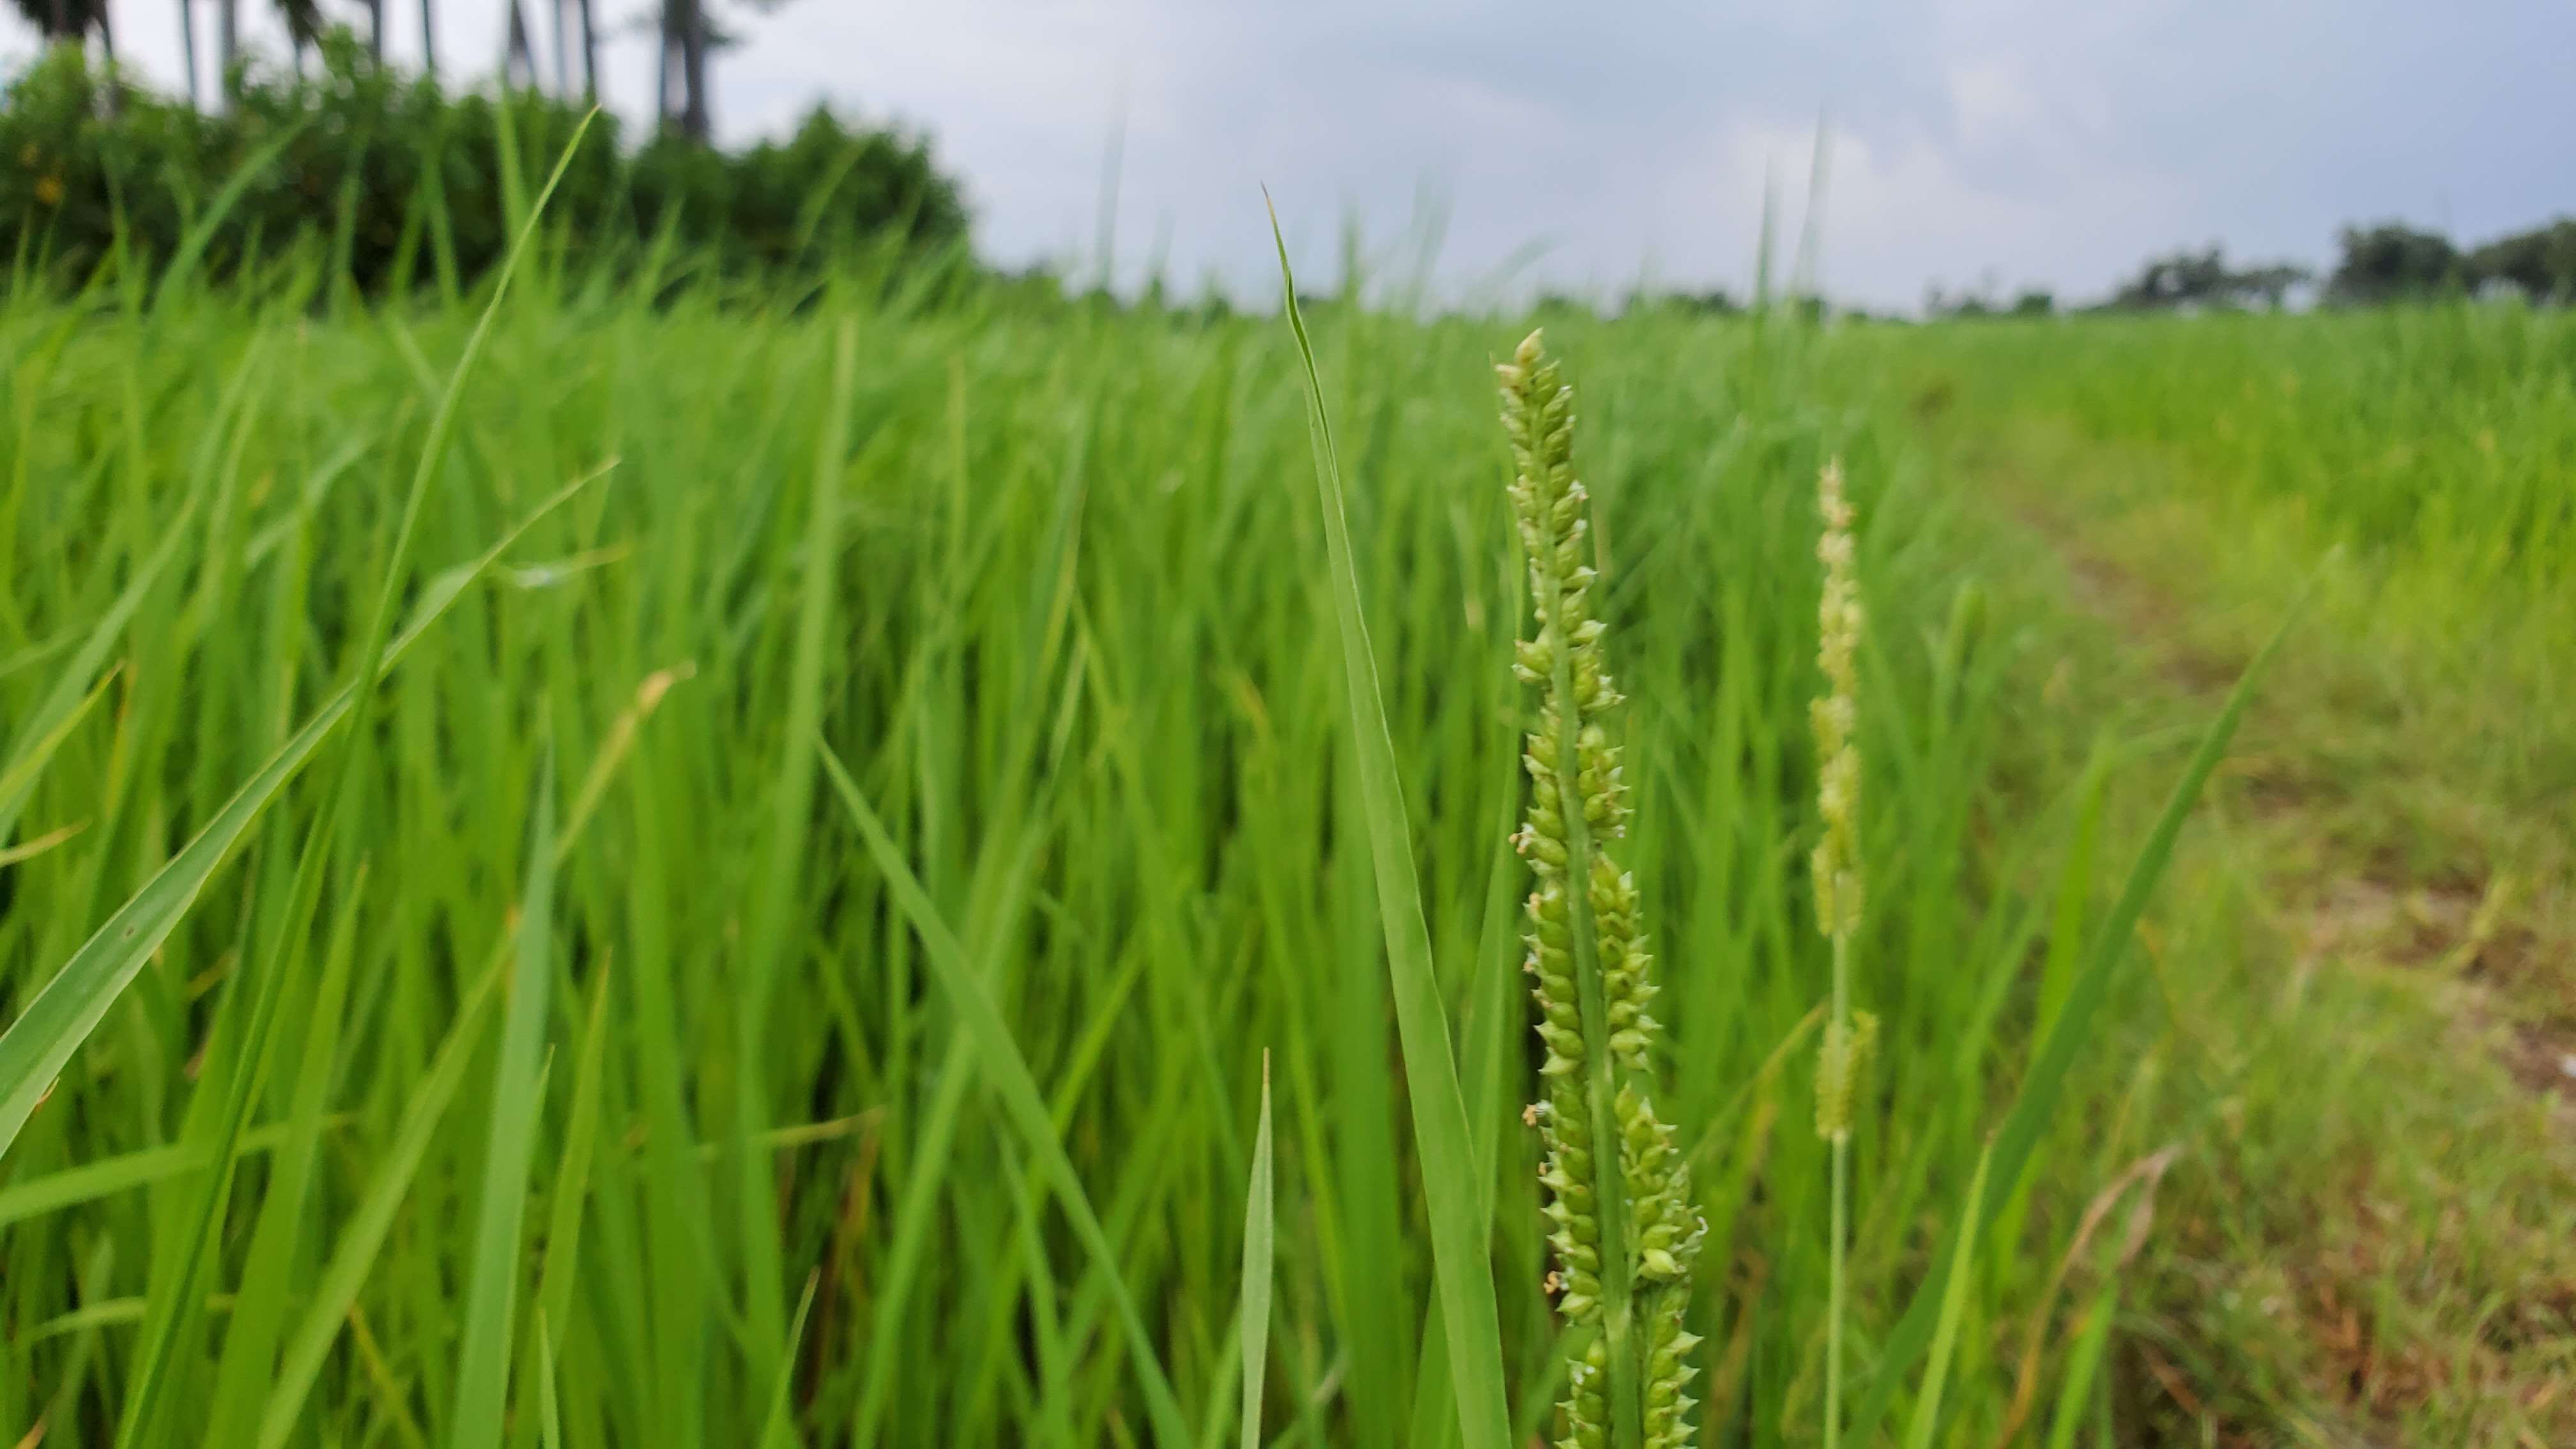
column 2046, row 143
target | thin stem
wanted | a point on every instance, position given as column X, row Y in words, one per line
column 1835, row 1289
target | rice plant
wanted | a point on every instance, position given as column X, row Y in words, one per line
column 589, row 1055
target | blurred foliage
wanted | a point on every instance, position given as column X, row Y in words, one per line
column 407, row 183
column 2203, row 279
column 62, row 17
column 2394, row 262
column 1986, row 302
column 2541, row 262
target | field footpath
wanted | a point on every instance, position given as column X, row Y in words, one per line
column 2469, row 929
column 2377, row 1249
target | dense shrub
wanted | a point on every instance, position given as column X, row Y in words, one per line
column 405, row 183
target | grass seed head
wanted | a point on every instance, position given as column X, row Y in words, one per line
column 1578, row 805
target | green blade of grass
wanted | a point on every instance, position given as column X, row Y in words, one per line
column 93, row 1180
column 327, row 1310
column 518, row 1098
column 779, row 1430
column 2074, row 1391
column 192, row 246
column 1459, row 1243
column 1954, row 1302
column 103, row 635
column 175, row 1307
column 572, row 1171
column 571, row 1195
column 124, row 1172
column 2036, row 1101
column 767, row 932
column 63, row 1014
column 1007, row 1073
column 1258, row 1253
column 260, row 1306
column 549, row 1414
column 19, row 779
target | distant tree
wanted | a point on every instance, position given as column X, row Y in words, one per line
column 58, row 20
column 690, row 32
column 2540, row 263
column 2188, row 280
column 2271, row 285
column 303, row 21
column 2184, row 279
column 1986, row 300
column 1715, row 302
column 681, row 83
column 2392, row 261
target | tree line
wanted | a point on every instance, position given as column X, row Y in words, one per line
column 386, row 180
column 688, row 31
column 2384, row 262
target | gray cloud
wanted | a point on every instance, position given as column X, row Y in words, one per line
column 2031, row 140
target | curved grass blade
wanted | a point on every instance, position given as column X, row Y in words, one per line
column 125, row 1172
column 518, row 1098
column 1459, row 1230
column 779, row 1432
column 19, row 779
column 192, row 246
column 572, row 1173
column 176, row 1310
column 268, row 1272
column 549, row 1417
column 1954, row 1302
column 1259, row 1250
column 63, row 1014
column 102, row 636
column 767, row 930
column 1007, row 1072
column 328, row 1308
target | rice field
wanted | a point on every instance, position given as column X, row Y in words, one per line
column 866, row 907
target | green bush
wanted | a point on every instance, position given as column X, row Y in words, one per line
column 405, row 184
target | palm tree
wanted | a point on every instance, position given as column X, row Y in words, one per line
column 63, row 19
column 684, row 51
column 688, row 35
column 68, row 22
column 303, row 27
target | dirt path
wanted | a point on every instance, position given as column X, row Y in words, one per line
column 2466, row 927
column 2408, row 1247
